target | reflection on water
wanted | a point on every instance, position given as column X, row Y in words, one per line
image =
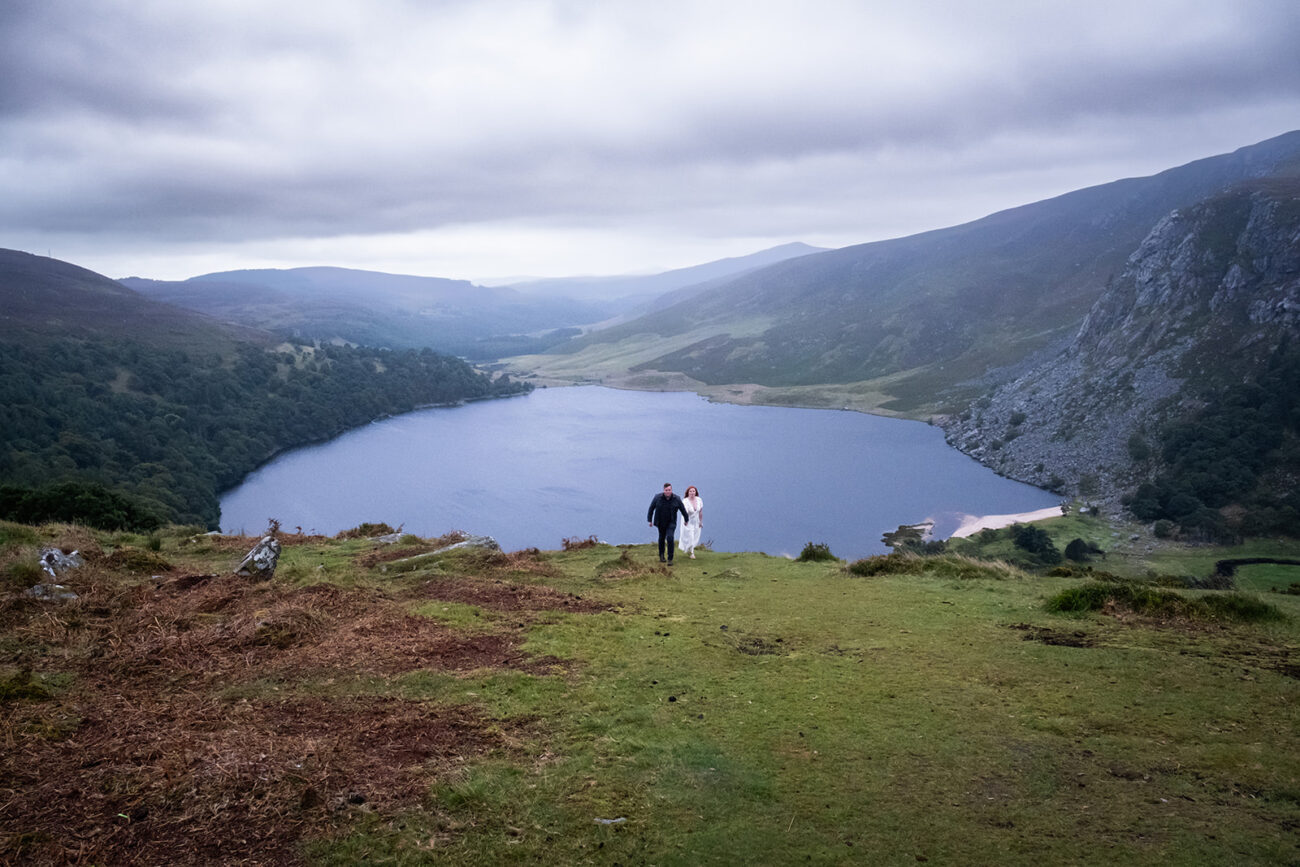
column 565, row 462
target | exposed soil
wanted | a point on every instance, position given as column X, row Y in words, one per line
column 173, row 743
column 190, row 780
column 1047, row 635
column 501, row 595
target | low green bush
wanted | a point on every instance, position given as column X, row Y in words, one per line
column 815, row 551
column 1239, row 606
column 886, row 564
column 367, row 530
column 944, row 566
column 1153, row 602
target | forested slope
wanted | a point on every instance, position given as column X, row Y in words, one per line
column 171, row 427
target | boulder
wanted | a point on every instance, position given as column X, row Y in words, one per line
column 52, row 593
column 487, row 543
column 261, row 561
column 484, row 543
column 55, row 562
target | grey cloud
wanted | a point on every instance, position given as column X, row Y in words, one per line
column 163, row 123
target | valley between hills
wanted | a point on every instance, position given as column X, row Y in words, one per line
column 1114, row 685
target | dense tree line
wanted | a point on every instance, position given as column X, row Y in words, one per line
column 170, row 429
column 87, row 503
column 1241, row 450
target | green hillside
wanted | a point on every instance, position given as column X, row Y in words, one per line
column 109, row 391
column 922, row 317
column 1179, row 395
column 591, row 706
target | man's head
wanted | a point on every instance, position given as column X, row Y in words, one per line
column 668, row 489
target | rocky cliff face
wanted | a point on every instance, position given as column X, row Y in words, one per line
column 1208, row 297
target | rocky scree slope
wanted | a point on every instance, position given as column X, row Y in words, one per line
column 1207, row 299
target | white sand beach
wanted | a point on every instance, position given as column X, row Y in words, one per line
column 971, row 524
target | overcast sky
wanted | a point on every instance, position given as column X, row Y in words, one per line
column 483, row 139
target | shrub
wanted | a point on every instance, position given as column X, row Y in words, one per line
column 1138, row 449
column 1163, row 529
column 367, row 531
column 86, row 503
column 1238, row 606
column 945, row 566
column 1153, row 602
column 1018, row 418
column 814, row 552
column 1095, row 596
column 1077, row 551
column 886, row 564
column 911, row 537
column 576, row 543
column 1076, row 600
column 1035, row 540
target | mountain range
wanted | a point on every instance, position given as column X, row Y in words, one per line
column 407, row 311
column 924, row 323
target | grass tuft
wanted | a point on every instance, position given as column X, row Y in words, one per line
column 20, row 687
column 367, row 531
column 956, row 566
column 1153, row 602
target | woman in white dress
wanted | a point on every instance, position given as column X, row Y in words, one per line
column 690, row 535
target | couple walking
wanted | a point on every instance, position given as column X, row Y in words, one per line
column 664, row 509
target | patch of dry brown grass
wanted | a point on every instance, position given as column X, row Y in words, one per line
column 142, row 759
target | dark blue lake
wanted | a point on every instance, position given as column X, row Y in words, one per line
column 561, row 462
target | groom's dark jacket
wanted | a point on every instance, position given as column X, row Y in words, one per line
column 663, row 510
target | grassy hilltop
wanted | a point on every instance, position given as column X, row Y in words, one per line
column 591, row 706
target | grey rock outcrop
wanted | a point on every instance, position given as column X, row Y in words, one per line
column 260, row 562
column 52, row 593
column 486, row 543
column 482, row 543
column 1204, row 301
column 56, row 563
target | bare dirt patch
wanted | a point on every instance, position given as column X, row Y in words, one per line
column 187, row 780
column 1057, row 638
column 500, row 595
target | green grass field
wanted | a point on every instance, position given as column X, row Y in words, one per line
column 740, row 708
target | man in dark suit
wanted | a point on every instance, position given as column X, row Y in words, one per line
column 663, row 515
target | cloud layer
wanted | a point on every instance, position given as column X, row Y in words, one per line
column 467, row 139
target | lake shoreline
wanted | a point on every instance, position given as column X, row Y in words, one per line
column 571, row 462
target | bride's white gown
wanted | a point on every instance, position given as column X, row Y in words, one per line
column 690, row 536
